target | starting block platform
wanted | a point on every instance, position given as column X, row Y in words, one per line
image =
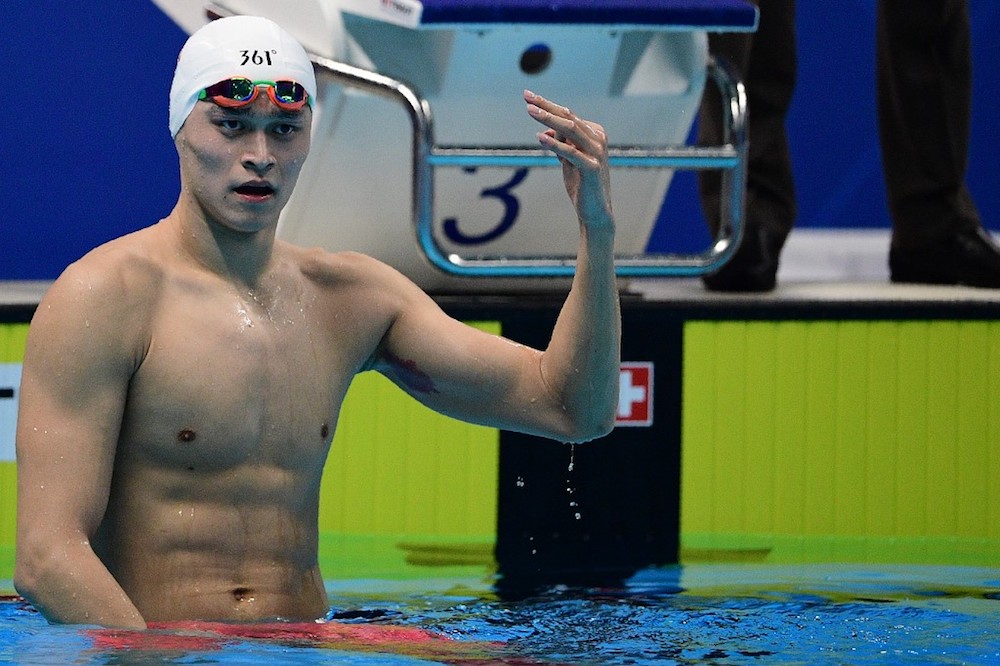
column 424, row 157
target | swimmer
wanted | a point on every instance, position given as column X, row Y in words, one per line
column 182, row 383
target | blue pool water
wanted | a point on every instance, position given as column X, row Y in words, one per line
column 720, row 614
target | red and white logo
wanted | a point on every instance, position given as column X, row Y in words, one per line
column 635, row 394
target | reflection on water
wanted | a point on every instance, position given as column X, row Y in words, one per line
column 723, row 614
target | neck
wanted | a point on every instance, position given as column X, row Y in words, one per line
column 235, row 255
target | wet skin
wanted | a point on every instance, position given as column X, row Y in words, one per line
column 182, row 384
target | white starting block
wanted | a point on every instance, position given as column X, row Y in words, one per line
column 420, row 132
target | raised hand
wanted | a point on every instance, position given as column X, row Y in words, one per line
column 582, row 148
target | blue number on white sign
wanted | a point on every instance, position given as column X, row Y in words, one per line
column 511, row 209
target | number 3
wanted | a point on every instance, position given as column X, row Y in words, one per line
column 512, row 207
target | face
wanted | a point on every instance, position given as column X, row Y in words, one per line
column 239, row 166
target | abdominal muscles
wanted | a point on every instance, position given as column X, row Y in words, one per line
column 239, row 544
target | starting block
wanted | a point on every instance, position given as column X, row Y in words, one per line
column 420, row 132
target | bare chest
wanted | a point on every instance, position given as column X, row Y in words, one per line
column 230, row 381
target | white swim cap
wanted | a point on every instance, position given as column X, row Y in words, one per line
column 237, row 46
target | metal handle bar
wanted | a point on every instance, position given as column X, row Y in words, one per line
column 730, row 158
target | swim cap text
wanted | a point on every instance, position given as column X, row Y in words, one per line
column 256, row 57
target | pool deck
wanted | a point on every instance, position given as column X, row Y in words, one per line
column 873, row 293
column 690, row 292
column 822, row 269
column 22, row 293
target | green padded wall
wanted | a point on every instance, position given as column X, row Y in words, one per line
column 12, row 342
column 841, row 441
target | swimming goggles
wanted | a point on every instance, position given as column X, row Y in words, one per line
column 237, row 92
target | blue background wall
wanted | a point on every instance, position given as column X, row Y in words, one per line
column 87, row 155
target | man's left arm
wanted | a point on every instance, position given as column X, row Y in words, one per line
column 581, row 363
column 568, row 392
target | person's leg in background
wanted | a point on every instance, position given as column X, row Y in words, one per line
column 766, row 60
column 924, row 81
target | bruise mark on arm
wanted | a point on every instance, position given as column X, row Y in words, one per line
column 410, row 374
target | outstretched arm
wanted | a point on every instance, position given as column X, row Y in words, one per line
column 569, row 391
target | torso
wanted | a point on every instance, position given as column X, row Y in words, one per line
column 228, row 420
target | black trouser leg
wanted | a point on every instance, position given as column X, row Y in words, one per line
column 924, row 83
column 766, row 60
column 924, row 69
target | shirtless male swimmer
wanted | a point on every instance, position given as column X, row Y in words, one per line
column 182, row 383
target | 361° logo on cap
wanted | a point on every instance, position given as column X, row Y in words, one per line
column 257, row 57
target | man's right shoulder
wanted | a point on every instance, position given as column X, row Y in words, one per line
column 121, row 272
column 99, row 308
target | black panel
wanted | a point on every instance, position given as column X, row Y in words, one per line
column 592, row 514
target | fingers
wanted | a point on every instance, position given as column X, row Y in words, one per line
column 578, row 140
column 541, row 108
column 582, row 147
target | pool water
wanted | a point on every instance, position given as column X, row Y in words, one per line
column 720, row 614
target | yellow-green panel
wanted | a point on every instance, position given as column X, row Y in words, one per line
column 973, row 509
column 911, row 462
column 878, row 451
column 12, row 341
column 730, row 392
column 417, row 487
column 941, row 440
column 8, row 514
column 991, row 354
column 345, row 556
column 8, row 502
column 820, row 408
column 396, row 467
column 852, row 370
column 788, row 350
column 698, row 344
column 830, row 440
column 776, row 548
column 758, row 459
